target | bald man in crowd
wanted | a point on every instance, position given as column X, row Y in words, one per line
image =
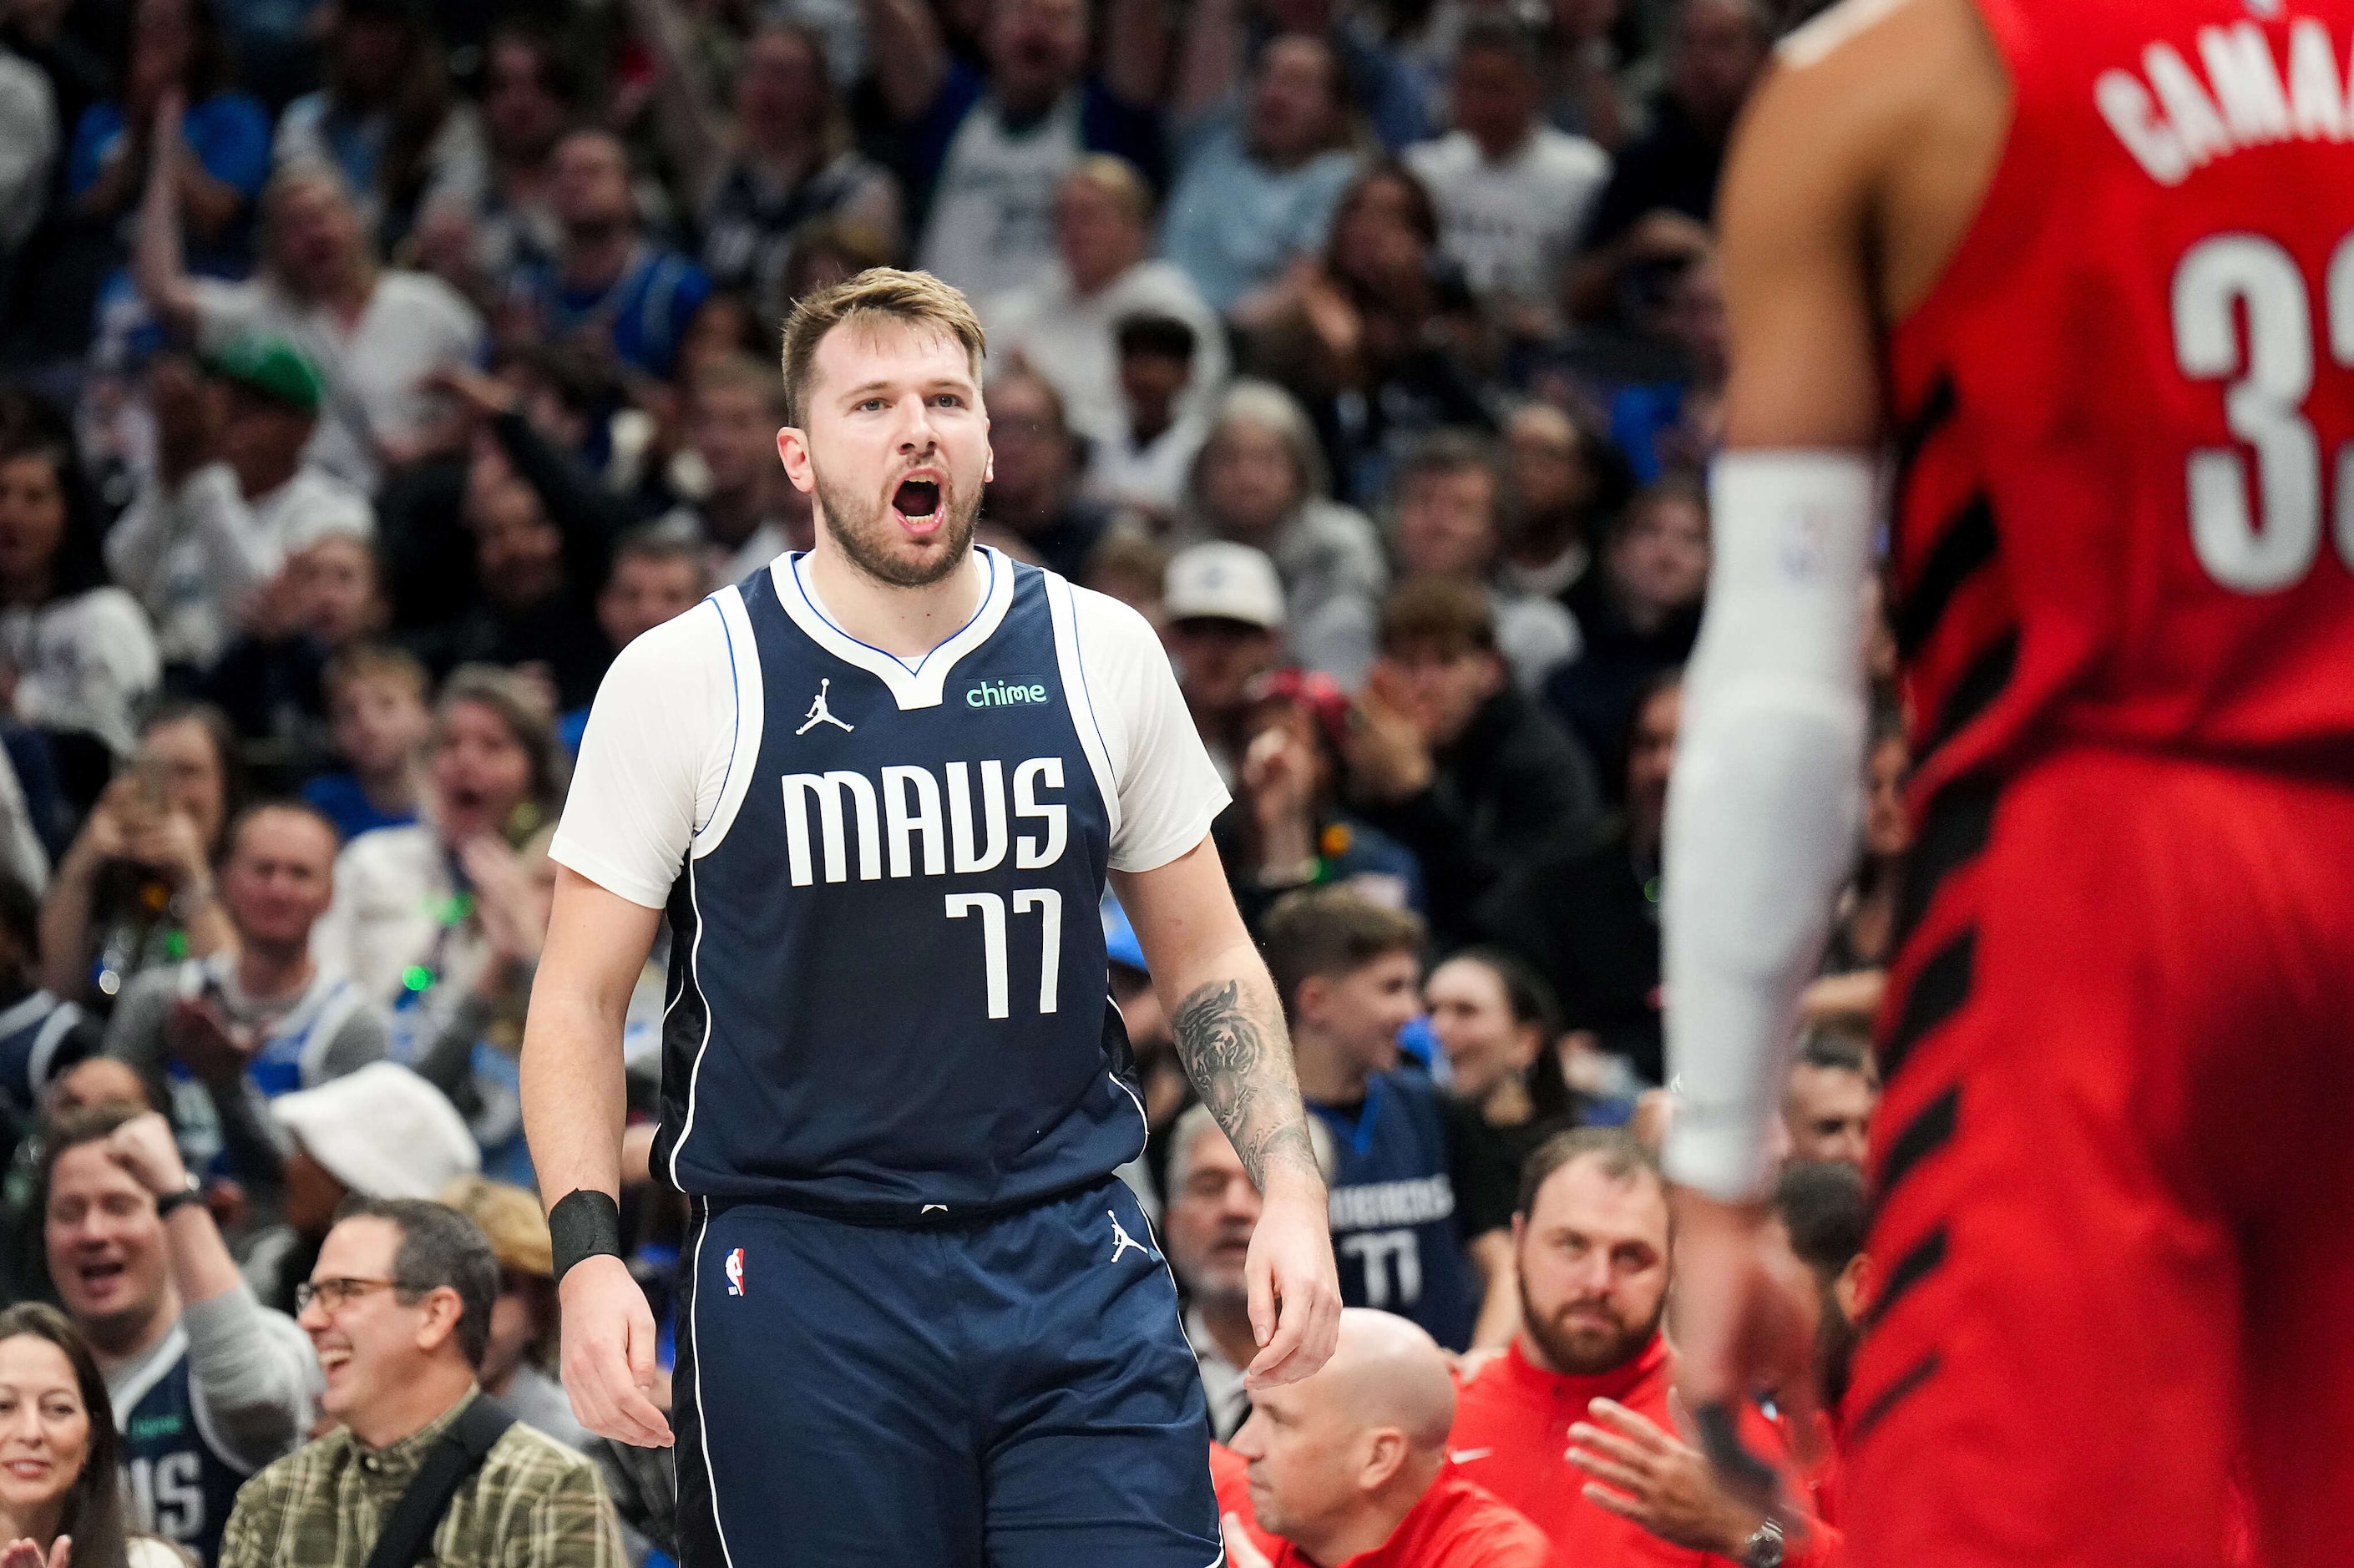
column 1349, row 1467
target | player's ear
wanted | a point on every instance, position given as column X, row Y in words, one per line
column 1853, row 1288
column 793, row 449
column 1385, row 1452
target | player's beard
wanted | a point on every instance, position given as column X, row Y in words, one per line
column 863, row 529
column 1582, row 1351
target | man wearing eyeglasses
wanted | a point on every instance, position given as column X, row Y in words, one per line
column 398, row 1309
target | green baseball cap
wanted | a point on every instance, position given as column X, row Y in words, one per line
column 272, row 367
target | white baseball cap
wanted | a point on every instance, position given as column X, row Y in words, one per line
column 382, row 1132
column 1223, row 581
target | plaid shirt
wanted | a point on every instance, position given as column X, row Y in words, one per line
column 534, row 1504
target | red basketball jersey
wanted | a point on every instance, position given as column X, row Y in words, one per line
column 2125, row 508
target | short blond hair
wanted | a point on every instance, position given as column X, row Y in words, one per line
column 879, row 294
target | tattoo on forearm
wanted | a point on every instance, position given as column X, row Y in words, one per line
column 1244, row 1073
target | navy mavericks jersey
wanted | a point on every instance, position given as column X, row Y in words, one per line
column 1393, row 1208
column 40, row 1037
column 887, row 985
column 182, row 1483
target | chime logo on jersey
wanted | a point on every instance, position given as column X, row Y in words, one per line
column 735, row 1272
column 919, row 822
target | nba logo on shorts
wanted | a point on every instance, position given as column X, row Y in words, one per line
column 735, row 1272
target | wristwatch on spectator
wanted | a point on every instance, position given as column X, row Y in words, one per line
column 1764, row 1546
column 188, row 1192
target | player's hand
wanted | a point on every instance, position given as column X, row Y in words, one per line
column 608, row 1353
column 1644, row 1473
column 1240, row 1550
column 1745, row 1318
column 1295, row 1290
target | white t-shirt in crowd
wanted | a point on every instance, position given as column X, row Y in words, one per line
column 1151, row 476
column 1509, row 224
column 991, row 223
column 414, row 323
column 84, row 663
column 193, row 555
column 654, row 759
column 1072, row 339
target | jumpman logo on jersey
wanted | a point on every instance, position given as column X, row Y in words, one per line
column 1121, row 1241
column 820, row 714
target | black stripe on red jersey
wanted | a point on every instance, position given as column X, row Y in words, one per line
column 1975, row 692
column 1937, row 993
column 1912, row 434
column 1931, row 1128
column 1964, row 547
column 1920, row 1260
column 1954, row 829
column 1889, row 1398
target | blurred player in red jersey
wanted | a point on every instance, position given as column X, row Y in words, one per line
column 2084, row 267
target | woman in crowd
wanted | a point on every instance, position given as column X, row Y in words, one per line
column 136, row 889
column 60, row 1479
column 376, row 334
column 1379, row 340
column 1260, row 481
column 1495, row 1022
column 79, row 656
column 418, row 910
column 175, row 51
column 1637, row 615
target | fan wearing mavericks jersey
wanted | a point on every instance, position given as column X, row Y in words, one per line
column 877, row 788
column 207, row 1384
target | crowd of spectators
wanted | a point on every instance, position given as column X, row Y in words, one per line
column 372, row 371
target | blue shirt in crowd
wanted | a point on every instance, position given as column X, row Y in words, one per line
column 1233, row 223
column 338, row 796
column 229, row 134
column 645, row 311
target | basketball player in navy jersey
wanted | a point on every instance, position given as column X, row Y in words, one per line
column 877, row 787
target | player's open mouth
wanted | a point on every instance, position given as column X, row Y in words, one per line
column 917, row 503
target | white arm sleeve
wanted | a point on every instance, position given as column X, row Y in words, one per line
column 1763, row 811
column 652, row 760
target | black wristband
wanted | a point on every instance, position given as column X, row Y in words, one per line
column 584, row 1223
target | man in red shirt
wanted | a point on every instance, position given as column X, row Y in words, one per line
column 1348, row 1468
column 1583, row 1394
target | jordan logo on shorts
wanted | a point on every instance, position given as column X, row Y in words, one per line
column 735, row 1272
column 1121, row 1241
column 820, row 714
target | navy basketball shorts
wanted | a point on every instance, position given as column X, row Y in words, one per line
column 1015, row 1393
